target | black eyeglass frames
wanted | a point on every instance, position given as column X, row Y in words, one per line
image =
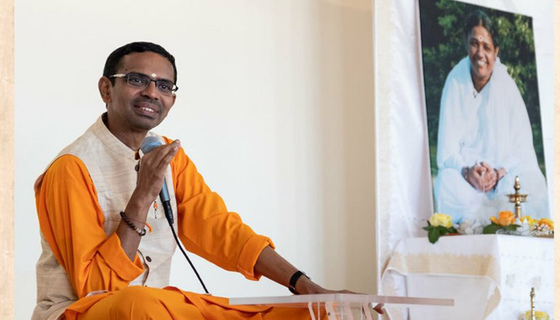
column 140, row 80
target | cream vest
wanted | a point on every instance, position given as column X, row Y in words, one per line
column 111, row 166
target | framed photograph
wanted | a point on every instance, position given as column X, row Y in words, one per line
column 483, row 110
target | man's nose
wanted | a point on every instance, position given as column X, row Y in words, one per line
column 151, row 90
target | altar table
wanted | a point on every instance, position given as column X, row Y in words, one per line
column 488, row 276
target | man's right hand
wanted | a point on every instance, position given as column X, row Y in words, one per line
column 151, row 173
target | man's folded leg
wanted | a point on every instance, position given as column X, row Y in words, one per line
column 141, row 303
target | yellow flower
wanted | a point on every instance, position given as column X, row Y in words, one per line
column 529, row 220
column 440, row 219
column 546, row 222
column 505, row 218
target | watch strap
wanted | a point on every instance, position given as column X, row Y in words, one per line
column 294, row 279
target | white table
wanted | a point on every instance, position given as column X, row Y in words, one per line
column 339, row 305
column 488, row 276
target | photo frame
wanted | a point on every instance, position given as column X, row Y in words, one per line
column 494, row 133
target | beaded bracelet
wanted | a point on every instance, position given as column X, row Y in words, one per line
column 141, row 232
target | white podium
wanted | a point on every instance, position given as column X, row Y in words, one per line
column 339, row 306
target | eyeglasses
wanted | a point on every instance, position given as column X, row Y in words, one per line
column 140, row 80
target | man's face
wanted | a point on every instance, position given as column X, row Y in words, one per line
column 133, row 109
column 482, row 54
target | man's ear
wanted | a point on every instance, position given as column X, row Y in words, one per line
column 105, row 89
column 497, row 51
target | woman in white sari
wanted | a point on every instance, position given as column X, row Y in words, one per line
column 485, row 138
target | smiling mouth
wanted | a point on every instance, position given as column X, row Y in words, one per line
column 481, row 63
column 146, row 109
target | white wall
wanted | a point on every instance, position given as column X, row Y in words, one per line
column 275, row 107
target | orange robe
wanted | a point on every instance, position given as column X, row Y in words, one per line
column 72, row 223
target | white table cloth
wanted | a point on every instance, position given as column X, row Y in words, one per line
column 489, row 276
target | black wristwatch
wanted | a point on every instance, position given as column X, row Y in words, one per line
column 294, row 279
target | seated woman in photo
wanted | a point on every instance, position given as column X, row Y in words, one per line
column 485, row 138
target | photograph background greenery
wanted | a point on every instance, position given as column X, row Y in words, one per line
column 444, row 45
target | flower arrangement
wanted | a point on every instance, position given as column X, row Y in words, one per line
column 505, row 222
column 543, row 227
column 439, row 224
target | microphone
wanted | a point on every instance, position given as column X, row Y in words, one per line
column 148, row 144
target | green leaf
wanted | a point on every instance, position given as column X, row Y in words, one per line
column 443, row 230
column 491, row 228
column 512, row 227
column 433, row 235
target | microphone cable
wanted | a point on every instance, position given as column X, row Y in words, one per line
column 148, row 144
column 187, row 257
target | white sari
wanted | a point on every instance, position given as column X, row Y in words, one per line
column 491, row 126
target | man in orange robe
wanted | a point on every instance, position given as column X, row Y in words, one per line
column 97, row 200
